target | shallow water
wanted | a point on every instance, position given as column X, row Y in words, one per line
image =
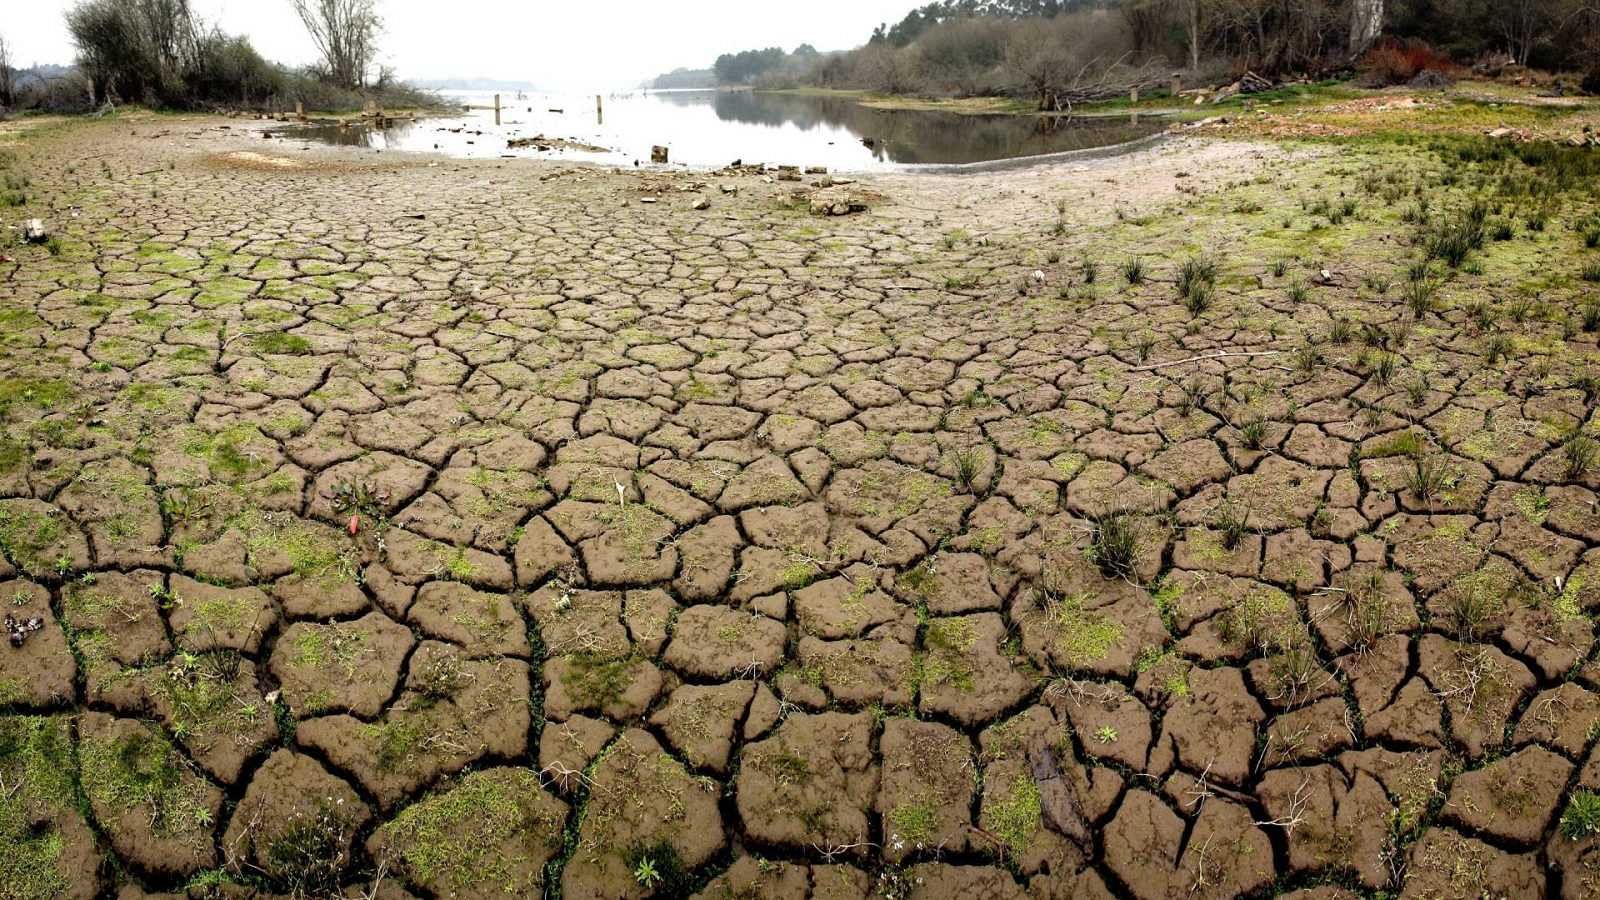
column 706, row 129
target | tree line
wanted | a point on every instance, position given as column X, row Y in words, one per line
column 1058, row 52
column 160, row 53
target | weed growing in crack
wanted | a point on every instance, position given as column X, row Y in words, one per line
column 1253, row 434
column 1418, row 296
column 1133, row 270
column 1591, row 316
column 1233, row 523
column 1114, row 545
column 1144, row 345
column 967, row 462
column 1383, row 367
column 1308, row 357
column 1193, row 397
column 1197, row 280
column 1496, row 348
column 1581, row 452
column 1581, row 818
column 1430, row 477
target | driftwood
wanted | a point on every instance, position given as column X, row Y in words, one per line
column 1204, row 357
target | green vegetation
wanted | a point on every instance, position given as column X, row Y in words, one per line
column 454, row 841
column 597, row 680
column 915, row 822
column 1581, row 818
column 1114, row 545
column 946, row 661
column 1016, row 817
column 1082, row 636
column 281, row 342
column 143, row 771
column 38, row 767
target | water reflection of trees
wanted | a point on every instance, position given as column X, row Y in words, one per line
column 922, row 136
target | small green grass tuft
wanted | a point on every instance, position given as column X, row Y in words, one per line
column 1581, row 818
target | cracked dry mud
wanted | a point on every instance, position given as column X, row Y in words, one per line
column 408, row 528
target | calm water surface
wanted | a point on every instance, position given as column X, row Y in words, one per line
column 706, row 129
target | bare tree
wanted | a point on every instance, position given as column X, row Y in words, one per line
column 1063, row 63
column 1191, row 17
column 1366, row 23
column 346, row 33
column 8, row 85
column 1145, row 20
column 1525, row 24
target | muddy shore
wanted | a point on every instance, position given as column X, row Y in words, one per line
column 1130, row 526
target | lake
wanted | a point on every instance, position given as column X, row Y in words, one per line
column 709, row 129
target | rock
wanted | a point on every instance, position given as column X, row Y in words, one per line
column 34, row 232
column 700, row 203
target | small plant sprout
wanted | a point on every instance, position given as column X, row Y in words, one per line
column 645, row 874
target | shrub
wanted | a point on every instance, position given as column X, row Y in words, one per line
column 1393, row 61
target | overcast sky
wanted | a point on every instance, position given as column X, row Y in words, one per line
column 554, row 43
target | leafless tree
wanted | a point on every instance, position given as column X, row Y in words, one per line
column 346, row 33
column 1065, row 63
column 8, row 86
column 1190, row 10
column 1525, row 24
column 1145, row 20
column 1366, row 23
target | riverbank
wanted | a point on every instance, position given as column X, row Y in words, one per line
column 706, row 531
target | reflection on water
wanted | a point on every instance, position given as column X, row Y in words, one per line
column 713, row 128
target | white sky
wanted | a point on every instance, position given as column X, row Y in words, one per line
column 553, row 43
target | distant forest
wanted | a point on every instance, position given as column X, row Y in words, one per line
column 1061, row 51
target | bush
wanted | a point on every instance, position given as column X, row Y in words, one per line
column 1591, row 83
column 155, row 52
column 1391, row 62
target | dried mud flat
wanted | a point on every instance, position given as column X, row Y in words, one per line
column 404, row 527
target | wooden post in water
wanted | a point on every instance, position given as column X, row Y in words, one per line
column 599, row 111
column 497, row 110
column 1133, row 96
column 1177, row 84
column 299, row 110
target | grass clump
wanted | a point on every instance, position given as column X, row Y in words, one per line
column 1581, row 818
column 142, row 771
column 1082, row 636
column 452, row 841
column 1452, row 241
column 1016, row 817
column 914, row 822
column 1114, row 545
column 278, row 342
column 1197, row 282
column 946, row 662
column 1581, row 451
column 38, row 769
